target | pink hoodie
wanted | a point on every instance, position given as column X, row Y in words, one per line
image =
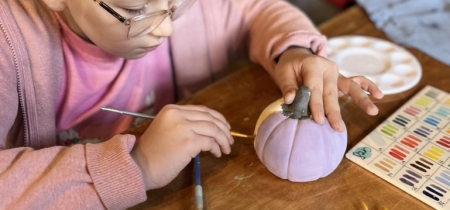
column 36, row 174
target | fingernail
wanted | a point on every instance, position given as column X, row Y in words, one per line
column 230, row 139
column 320, row 119
column 374, row 109
column 289, row 97
column 338, row 127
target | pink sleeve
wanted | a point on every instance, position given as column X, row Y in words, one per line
column 266, row 28
column 92, row 176
column 279, row 26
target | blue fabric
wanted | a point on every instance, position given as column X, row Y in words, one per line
column 420, row 24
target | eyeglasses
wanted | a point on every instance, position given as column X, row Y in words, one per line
column 144, row 24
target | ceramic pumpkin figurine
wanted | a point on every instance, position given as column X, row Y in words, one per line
column 292, row 146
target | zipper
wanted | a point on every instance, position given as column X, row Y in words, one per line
column 19, row 85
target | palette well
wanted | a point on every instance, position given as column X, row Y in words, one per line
column 411, row 149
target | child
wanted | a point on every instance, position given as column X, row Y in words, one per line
column 61, row 60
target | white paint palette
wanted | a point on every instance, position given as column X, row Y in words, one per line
column 391, row 67
column 411, row 149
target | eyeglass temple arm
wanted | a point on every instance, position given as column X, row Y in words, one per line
column 111, row 11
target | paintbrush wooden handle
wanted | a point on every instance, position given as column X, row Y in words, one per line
column 134, row 114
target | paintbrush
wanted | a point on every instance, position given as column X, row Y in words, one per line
column 198, row 184
column 134, row 114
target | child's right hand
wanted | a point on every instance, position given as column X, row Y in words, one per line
column 178, row 134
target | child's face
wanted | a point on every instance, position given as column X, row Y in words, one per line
column 95, row 24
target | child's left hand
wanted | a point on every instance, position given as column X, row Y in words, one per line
column 299, row 67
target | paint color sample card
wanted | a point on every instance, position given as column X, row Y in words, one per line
column 411, row 149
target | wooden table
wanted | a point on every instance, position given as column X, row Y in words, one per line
column 240, row 181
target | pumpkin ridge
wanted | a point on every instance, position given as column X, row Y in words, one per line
column 330, row 156
column 336, row 160
column 268, row 139
column 322, row 135
column 293, row 143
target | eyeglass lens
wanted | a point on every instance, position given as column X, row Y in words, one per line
column 143, row 25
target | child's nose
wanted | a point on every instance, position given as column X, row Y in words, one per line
column 165, row 29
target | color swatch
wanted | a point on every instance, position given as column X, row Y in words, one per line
column 411, row 149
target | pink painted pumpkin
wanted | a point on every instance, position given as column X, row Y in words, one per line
column 297, row 150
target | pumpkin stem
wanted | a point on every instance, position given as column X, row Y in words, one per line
column 299, row 108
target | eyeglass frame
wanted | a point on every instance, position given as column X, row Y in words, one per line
column 128, row 21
